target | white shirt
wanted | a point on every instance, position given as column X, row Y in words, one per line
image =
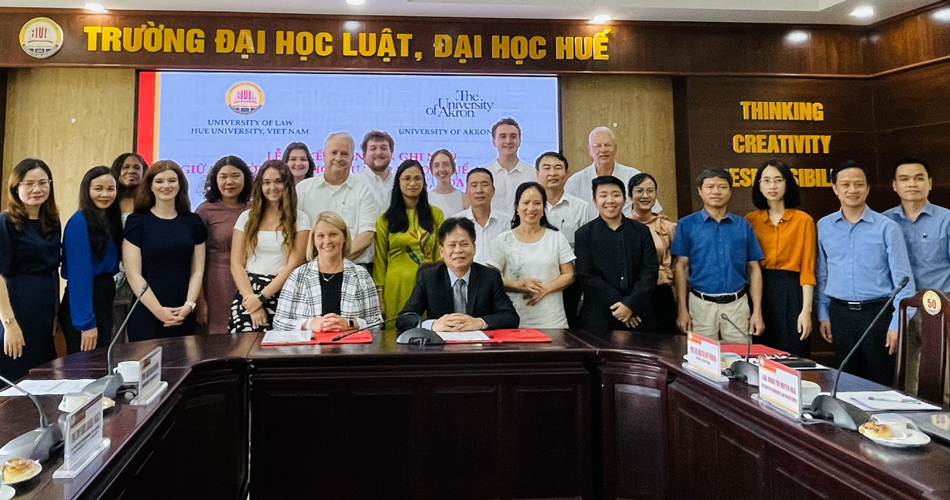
column 498, row 222
column 449, row 203
column 382, row 189
column 541, row 260
column 506, row 183
column 579, row 185
column 352, row 200
column 569, row 214
column 270, row 256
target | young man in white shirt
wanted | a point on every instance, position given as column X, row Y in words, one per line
column 489, row 222
column 567, row 213
column 337, row 191
column 507, row 170
column 602, row 147
column 377, row 149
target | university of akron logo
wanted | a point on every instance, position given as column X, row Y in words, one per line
column 245, row 98
column 41, row 37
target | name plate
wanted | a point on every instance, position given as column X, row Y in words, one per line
column 84, row 440
column 150, row 378
column 780, row 386
column 703, row 355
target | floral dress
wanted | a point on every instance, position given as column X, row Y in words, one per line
column 399, row 255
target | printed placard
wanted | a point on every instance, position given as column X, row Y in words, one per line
column 83, row 432
column 703, row 355
column 150, row 369
column 780, row 386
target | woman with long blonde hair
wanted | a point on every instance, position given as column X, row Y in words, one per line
column 269, row 242
column 328, row 293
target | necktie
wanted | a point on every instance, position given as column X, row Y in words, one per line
column 461, row 295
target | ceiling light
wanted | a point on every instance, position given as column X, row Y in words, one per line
column 942, row 14
column 356, row 2
column 863, row 12
column 600, row 18
column 797, row 37
column 95, row 7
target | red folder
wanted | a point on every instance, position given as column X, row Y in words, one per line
column 362, row 337
column 757, row 350
column 509, row 336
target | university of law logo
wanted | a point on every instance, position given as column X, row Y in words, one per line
column 245, row 98
column 41, row 37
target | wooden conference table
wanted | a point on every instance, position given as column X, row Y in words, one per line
column 589, row 415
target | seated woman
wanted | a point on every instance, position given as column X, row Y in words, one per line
column 535, row 260
column 328, row 293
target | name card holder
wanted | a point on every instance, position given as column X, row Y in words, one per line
column 84, row 441
column 150, row 379
column 780, row 387
column 703, row 357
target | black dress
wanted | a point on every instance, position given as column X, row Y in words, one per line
column 29, row 262
column 167, row 247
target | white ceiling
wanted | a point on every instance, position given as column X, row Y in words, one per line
column 759, row 11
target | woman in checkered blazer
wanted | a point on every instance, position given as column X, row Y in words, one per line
column 328, row 293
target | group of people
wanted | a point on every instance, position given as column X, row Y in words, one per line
column 523, row 246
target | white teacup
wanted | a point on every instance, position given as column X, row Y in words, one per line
column 810, row 391
column 73, row 401
column 129, row 371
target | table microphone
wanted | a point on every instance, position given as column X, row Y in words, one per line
column 841, row 413
column 112, row 381
column 374, row 325
column 419, row 335
column 742, row 370
column 36, row 444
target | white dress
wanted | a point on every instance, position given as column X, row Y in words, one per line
column 541, row 260
column 449, row 203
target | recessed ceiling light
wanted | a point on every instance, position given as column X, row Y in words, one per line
column 95, row 7
column 600, row 18
column 863, row 12
column 356, row 2
column 797, row 37
column 942, row 14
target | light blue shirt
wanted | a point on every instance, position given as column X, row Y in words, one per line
column 452, row 279
column 928, row 241
column 861, row 261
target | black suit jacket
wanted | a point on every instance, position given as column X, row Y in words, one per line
column 597, row 271
column 432, row 296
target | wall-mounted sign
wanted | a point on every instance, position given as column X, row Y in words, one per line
column 41, row 37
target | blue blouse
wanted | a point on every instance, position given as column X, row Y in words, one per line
column 80, row 266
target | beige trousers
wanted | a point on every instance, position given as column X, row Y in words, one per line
column 707, row 319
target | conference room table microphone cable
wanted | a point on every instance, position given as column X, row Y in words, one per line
column 830, row 409
column 379, row 323
column 742, row 370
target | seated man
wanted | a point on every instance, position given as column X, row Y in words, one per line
column 616, row 264
column 457, row 294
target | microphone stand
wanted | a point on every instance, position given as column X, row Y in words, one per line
column 38, row 443
column 742, row 370
column 112, row 381
column 836, row 411
column 374, row 325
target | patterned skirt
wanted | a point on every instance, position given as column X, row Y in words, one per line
column 240, row 319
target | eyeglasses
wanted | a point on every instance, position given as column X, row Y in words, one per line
column 778, row 181
column 44, row 185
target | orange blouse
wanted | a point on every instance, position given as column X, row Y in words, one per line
column 789, row 246
column 662, row 229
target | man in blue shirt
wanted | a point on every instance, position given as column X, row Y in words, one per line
column 861, row 258
column 717, row 264
column 926, row 230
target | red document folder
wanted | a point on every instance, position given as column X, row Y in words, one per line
column 509, row 336
column 362, row 337
column 757, row 350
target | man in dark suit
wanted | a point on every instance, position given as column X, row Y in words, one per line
column 616, row 264
column 458, row 294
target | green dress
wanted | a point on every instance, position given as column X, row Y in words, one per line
column 399, row 255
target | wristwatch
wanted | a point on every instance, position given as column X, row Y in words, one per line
column 9, row 320
column 191, row 304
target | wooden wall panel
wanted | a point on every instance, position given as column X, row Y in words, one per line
column 639, row 109
column 908, row 40
column 73, row 119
